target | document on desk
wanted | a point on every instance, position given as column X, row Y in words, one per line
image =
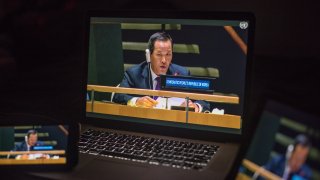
column 166, row 103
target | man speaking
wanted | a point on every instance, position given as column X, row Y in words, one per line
column 31, row 140
column 147, row 74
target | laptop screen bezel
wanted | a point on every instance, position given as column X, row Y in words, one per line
column 165, row 130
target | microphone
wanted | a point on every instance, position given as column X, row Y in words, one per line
column 287, row 167
column 148, row 59
column 289, row 151
column 8, row 156
column 148, row 55
column 26, row 140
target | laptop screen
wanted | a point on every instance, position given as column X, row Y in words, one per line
column 127, row 52
column 286, row 145
column 33, row 145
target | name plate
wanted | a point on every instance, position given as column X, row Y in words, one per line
column 187, row 83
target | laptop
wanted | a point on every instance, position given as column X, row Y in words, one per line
column 285, row 143
column 120, row 140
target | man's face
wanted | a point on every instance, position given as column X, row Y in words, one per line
column 298, row 157
column 33, row 138
column 161, row 57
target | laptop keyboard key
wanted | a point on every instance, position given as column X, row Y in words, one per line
column 156, row 151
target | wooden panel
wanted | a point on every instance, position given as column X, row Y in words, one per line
column 195, row 96
column 32, row 152
column 149, row 113
column 242, row 176
column 263, row 172
column 89, row 106
column 228, row 121
column 61, row 160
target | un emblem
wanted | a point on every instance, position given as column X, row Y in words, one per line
column 244, row 25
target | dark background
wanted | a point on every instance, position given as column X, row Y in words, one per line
column 41, row 50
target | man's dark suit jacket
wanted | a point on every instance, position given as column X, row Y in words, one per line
column 139, row 76
column 23, row 146
column 277, row 166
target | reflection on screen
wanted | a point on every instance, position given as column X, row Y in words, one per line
column 33, row 144
column 120, row 55
column 286, row 144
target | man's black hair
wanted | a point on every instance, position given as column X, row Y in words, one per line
column 160, row 36
column 32, row 131
column 302, row 140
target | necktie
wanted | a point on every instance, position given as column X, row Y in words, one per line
column 157, row 86
column 158, row 83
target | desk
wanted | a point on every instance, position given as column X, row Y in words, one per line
column 226, row 120
column 208, row 119
column 4, row 153
column 61, row 160
column 217, row 97
column 262, row 172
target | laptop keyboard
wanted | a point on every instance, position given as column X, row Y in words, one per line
column 178, row 154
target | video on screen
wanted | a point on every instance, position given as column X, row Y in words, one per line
column 138, row 68
column 33, row 144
